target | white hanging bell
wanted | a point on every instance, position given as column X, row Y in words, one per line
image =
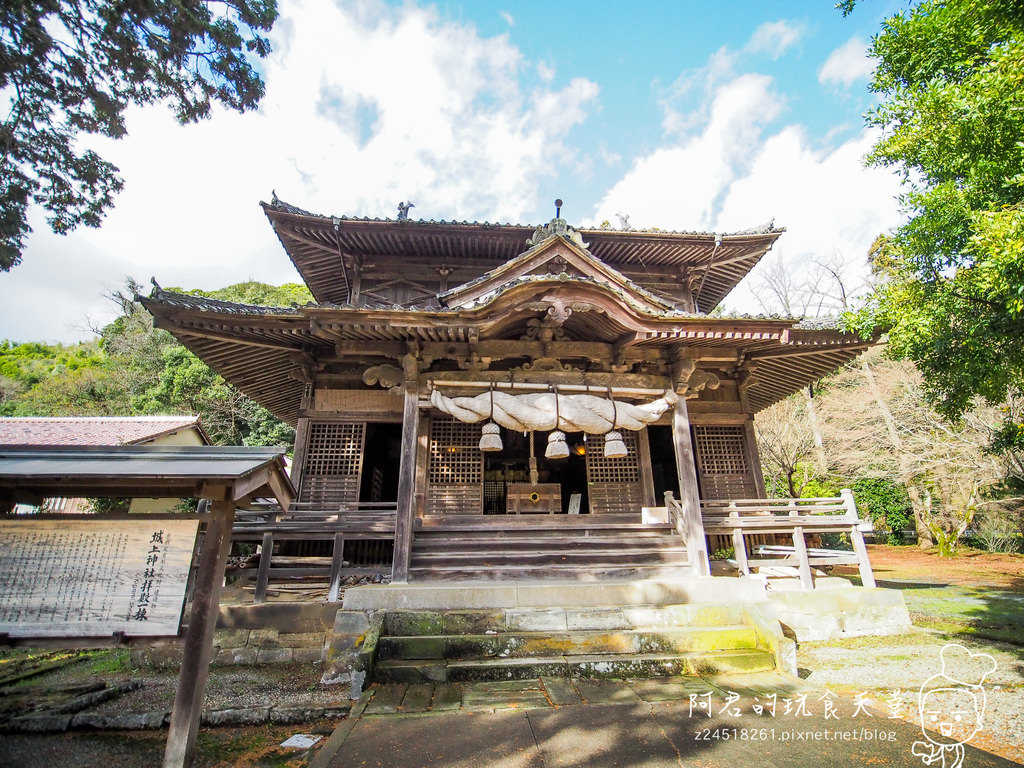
column 614, row 446
column 557, row 447
column 490, row 437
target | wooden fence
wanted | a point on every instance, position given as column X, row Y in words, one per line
column 755, row 526
column 369, row 526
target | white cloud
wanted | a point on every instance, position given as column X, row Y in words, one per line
column 847, row 64
column 508, row 18
column 830, row 204
column 545, row 71
column 730, row 173
column 368, row 106
column 686, row 102
column 774, row 38
column 680, row 186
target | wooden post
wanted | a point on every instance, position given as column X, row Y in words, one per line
column 646, row 471
column 803, row 564
column 337, row 560
column 753, row 457
column 422, row 461
column 689, row 491
column 407, row 472
column 867, row 577
column 301, row 439
column 263, row 572
column 195, row 664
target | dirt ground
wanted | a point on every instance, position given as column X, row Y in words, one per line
column 970, row 568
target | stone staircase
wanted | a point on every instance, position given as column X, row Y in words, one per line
column 594, row 642
column 537, row 547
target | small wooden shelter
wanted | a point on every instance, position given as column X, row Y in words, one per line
column 423, row 332
column 101, row 431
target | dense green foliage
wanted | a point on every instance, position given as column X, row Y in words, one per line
column 951, row 280
column 72, row 67
column 887, row 505
column 134, row 369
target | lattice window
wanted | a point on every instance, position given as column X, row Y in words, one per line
column 722, row 463
column 455, row 470
column 455, row 455
column 614, row 483
column 334, row 461
column 625, row 469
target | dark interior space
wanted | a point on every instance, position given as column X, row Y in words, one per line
column 512, row 465
column 663, row 462
column 381, row 459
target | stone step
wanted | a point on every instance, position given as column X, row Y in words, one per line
column 609, row 665
column 413, row 623
column 580, row 643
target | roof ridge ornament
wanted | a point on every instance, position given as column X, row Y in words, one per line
column 557, row 226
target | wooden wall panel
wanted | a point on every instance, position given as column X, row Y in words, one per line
column 722, row 463
column 333, row 463
column 614, row 485
column 455, row 468
column 357, row 401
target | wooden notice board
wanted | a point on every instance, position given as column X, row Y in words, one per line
column 92, row 578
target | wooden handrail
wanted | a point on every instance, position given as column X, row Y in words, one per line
column 795, row 517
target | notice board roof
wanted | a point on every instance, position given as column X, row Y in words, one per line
column 218, row 473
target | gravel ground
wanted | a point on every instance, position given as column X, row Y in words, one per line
column 891, row 671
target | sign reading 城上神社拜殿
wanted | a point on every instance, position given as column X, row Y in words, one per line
column 90, row 578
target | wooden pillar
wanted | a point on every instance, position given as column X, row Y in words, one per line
column 753, row 457
column 646, row 471
column 407, row 472
column 195, row 664
column 299, row 461
column 422, row 462
column 689, row 491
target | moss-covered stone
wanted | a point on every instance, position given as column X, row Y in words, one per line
column 412, row 623
column 472, row 622
column 415, row 647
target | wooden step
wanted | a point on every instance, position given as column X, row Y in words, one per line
column 538, row 523
column 535, row 573
column 584, row 557
column 456, row 538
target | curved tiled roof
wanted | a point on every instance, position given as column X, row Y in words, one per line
column 325, row 249
column 91, row 430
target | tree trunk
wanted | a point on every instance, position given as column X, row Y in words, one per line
column 922, row 507
column 922, row 511
column 819, row 443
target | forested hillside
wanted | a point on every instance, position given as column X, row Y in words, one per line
column 869, row 427
column 135, row 369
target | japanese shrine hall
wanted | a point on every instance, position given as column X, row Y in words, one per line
column 494, row 402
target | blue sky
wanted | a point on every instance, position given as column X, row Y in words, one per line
column 713, row 116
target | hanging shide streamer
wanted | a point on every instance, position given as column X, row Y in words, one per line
column 537, row 411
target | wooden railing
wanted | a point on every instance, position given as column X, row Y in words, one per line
column 744, row 520
column 269, row 525
column 691, row 534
